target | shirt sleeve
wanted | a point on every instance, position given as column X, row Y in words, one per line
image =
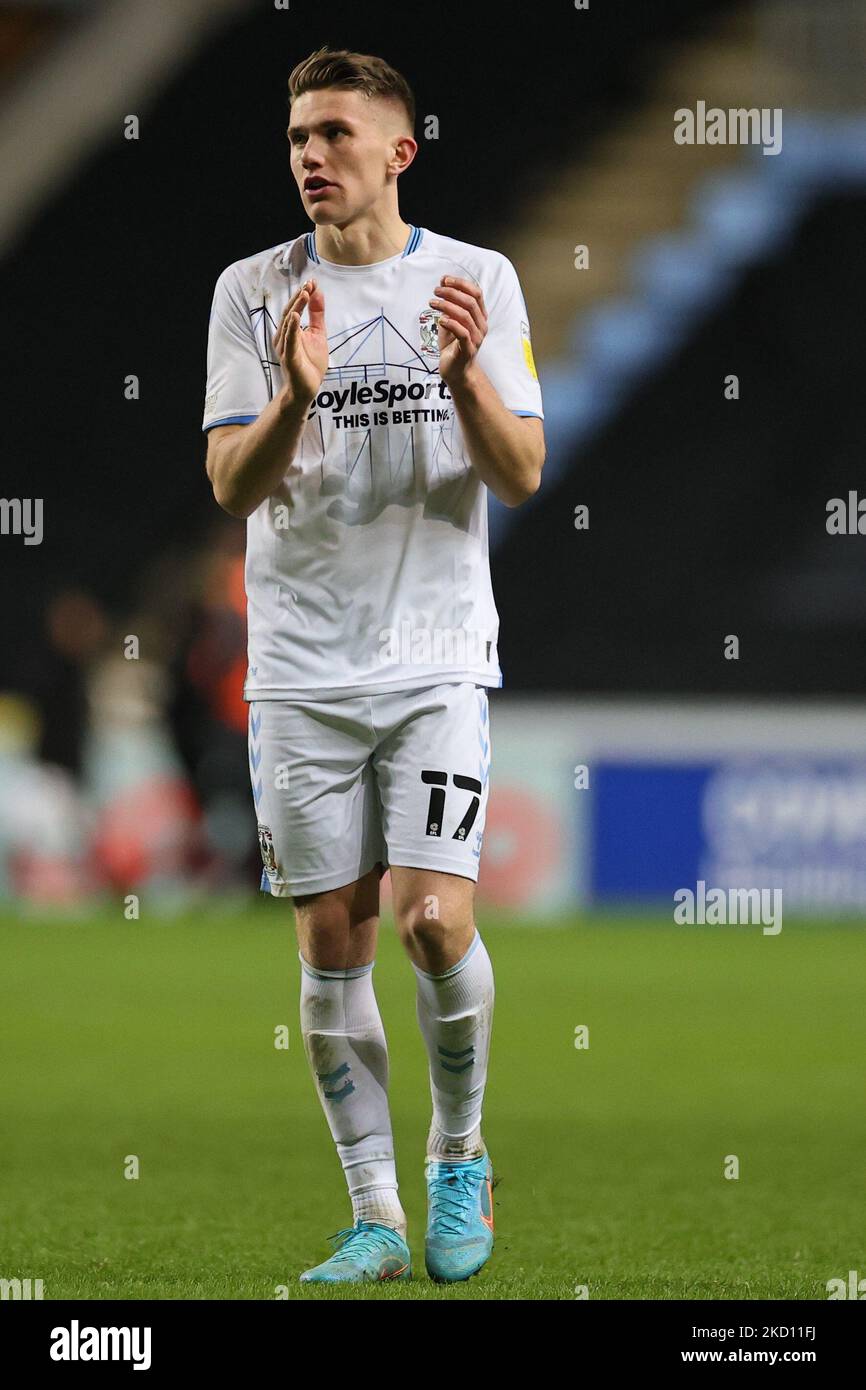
column 506, row 353
column 237, row 388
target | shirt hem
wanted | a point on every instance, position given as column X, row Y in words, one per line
column 491, row 679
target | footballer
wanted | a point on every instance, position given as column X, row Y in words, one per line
column 367, row 382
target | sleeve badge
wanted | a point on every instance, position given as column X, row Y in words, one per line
column 527, row 348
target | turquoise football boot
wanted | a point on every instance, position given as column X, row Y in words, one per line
column 367, row 1254
column 460, row 1218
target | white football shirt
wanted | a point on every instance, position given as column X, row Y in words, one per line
column 367, row 570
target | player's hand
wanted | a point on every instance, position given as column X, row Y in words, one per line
column 303, row 352
column 462, row 325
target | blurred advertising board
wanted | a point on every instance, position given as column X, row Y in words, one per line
column 623, row 802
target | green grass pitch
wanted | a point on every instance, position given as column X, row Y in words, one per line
column 156, row 1038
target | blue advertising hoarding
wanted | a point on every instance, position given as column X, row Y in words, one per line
column 793, row 823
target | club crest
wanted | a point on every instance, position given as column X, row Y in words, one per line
column 429, row 325
column 266, row 845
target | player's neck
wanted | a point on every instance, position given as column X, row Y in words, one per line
column 362, row 243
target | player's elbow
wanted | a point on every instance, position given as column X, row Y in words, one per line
column 230, row 503
column 526, row 487
column 225, row 495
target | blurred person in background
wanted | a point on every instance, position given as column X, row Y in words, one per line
column 53, row 673
column 207, row 709
column 45, row 823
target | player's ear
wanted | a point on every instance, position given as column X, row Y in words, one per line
column 405, row 150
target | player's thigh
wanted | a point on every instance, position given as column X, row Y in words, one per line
column 338, row 929
column 432, row 771
column 316, row 799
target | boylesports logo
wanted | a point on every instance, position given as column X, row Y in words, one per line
column 384, row 393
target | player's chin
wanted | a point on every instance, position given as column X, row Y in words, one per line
column 320, row 214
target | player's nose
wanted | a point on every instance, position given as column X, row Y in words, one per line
column 311, row 159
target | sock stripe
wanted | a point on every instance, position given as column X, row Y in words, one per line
column 329, row 1077
column 342, row 1093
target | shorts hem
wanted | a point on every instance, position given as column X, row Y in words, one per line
column 410, row 859
column 324, row 883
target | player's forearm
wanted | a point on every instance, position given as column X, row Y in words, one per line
column 504, row 456
column 250, row 464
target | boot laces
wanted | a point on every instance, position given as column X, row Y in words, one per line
column 357, row 1241
column 452, row 1196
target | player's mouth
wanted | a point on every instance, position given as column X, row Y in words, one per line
column 315, row 186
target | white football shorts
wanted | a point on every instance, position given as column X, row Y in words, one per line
column 341, row 785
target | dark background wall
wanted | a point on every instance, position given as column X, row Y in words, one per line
column 708, row 516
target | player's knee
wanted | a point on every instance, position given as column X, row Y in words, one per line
column 427, row 935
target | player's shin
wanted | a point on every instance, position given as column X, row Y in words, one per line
column 345, row 1044
column 455, row 1013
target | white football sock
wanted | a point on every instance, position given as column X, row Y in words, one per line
column 345, row 1045
column 455, row 1012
